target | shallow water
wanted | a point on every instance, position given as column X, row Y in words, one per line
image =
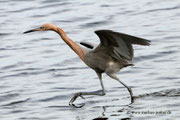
column 39, row 73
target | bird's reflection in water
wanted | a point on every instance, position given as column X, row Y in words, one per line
column 103, row 115
column 115, row 111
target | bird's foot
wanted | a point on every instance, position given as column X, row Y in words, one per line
column 77, row 105
column 74, row 98
column 99, row 92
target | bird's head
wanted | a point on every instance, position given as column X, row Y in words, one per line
column 44, row 27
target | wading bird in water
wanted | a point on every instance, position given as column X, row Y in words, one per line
column 113, row 53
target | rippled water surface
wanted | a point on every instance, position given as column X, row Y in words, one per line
column 39, row 73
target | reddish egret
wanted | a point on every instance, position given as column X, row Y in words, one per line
column 114, row 52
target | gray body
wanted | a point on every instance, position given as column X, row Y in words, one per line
column 102, row 62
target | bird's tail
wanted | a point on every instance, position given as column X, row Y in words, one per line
column 129, row 64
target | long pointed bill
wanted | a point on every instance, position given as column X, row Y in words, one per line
column 33, row 30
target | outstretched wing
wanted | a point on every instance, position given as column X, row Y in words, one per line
column 119, row 45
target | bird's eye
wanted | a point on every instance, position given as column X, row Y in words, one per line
column 41, row 27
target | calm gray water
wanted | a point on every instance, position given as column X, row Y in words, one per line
column 39, row 73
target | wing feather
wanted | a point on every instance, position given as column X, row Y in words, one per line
column 119, row 45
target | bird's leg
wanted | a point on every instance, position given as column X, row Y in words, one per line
column 129, row 89
column 101, row 82
column 81, row 94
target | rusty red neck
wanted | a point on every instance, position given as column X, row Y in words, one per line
column 75, row 47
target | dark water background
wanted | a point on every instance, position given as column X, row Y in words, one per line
column 39, row 73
